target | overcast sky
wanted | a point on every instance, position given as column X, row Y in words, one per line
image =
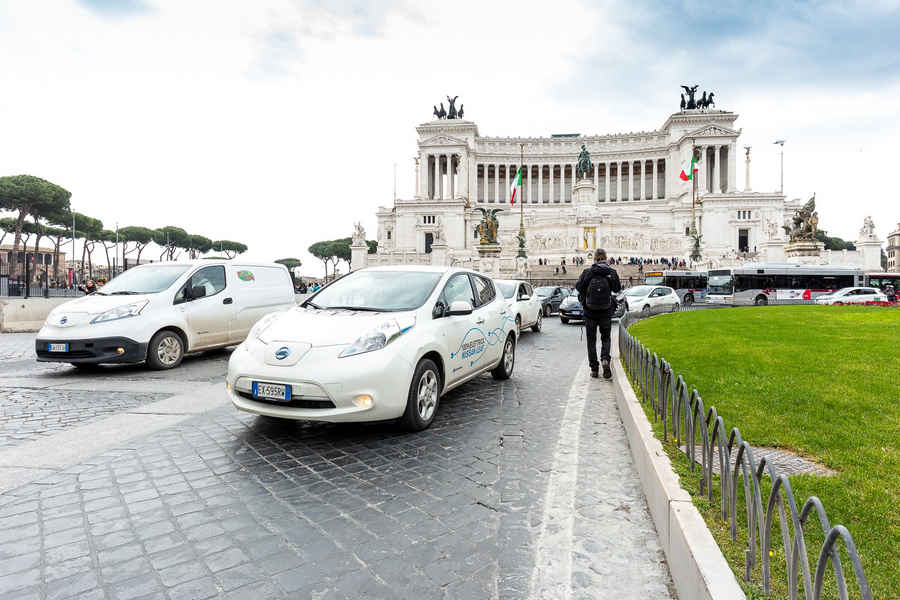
column 278, row 122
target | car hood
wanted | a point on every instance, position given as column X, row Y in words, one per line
column 325, row 327
column 97, row 304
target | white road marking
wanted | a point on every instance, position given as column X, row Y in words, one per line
column 552, row 575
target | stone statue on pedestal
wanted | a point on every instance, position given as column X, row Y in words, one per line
column 489, row 226
column 691, row 90
column 804, row 223
column 868, row 229
column 584, row 166
column 438, row 233
column 451, row 112
column 359, row 235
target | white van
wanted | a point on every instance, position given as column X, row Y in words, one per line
column 160, row 311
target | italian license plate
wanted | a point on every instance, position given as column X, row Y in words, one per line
column 576, row 312
column 271, row 391
column 57, row 347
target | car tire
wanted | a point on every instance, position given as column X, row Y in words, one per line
column 563, row 320
column 508, row 361
column 646, row 310
column 838, row 303
column 546, row 310
column 165, row 350
column 537, row 324
column 689, row 299
column 423, row 397
column 761, row 300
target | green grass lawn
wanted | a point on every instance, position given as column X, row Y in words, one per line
column 820, row 381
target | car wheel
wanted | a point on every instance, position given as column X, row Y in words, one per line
column 688, row 300
column 761, row 300
column 838, row 303
column 546, row 310
column 518, row 323
column 537, row 324
column 507, row 361
column 563, row 320
column 165, row 350
column 424, row 396
column 646, row 310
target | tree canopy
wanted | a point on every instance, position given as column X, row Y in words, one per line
column 32, row 196
column 229, row 248
column 834, row 243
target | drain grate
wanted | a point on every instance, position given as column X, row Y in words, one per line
column 783, row 461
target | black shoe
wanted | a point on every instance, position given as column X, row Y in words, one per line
column 594, row 374
column 607, row 373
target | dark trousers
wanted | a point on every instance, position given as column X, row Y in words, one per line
column 591, row 326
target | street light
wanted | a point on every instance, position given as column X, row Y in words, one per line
column 781, row 143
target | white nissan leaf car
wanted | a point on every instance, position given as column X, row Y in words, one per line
column 378, row 344
column 524, row 305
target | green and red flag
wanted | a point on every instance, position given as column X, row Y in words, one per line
column 515, row 190
column 693, row 169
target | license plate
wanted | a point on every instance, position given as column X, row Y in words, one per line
column 272, row 391
column 57, row 347
column 576, row 312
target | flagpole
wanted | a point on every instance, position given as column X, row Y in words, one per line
column 522, row 252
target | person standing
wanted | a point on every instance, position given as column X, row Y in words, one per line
column 597, row 287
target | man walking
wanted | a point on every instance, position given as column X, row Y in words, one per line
column 596, row 288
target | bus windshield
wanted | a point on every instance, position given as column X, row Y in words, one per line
column 654, row 280
column 720, row 284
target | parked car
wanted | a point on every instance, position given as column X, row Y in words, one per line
column 853, row 295
column 570, row 309
column 380, row 343
column 159, row 312
column 524, row 304
column 649, row 299
column 550, row 297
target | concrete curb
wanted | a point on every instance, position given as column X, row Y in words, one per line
column 697, row 566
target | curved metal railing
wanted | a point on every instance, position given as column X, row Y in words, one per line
column 684, row 413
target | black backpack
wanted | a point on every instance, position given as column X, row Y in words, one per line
column 598, row 293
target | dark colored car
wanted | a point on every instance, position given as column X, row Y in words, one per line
column 570, row 309
column 551, row 296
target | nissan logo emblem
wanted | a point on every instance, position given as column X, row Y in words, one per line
column 282, row 353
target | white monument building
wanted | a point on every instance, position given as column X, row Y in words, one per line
column 633, row 201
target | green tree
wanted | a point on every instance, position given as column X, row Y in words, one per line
column 170, row 239
column 833, row 243
column 291, row 264
column 88, row 229
column 7, row 226
column 134, row 238
column 326, row 252
column 58, row 236
column 229, row 248
column 198, row 244
column 30, row 195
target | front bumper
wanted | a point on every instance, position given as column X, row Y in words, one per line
column 573, row 315
column 92, row 350
column 323, row 385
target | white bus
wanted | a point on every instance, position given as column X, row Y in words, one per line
column 786, row 283
column 689, row 285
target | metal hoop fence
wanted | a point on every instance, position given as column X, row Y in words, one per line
column 683, row 413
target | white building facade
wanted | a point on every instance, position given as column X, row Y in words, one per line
column 639, row 207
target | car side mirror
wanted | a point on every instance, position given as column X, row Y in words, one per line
column 525, row 298
column 439, row 310
column 459, row 307
column 198, row 291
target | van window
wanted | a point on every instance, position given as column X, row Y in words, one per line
column 212, row 279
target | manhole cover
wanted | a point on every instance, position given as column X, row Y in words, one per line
column 784, row 462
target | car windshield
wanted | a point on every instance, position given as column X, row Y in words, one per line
column 720, row 284
column 378, row 291
column 507, row 288
column 150, row 279
column 639, row 290
column 543, row 292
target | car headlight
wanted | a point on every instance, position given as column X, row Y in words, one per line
column 121, row 312
column 379, row 337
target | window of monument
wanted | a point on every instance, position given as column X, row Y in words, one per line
column 388, row 234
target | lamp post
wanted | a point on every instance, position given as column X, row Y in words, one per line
column 781, row 143
column 695, row 236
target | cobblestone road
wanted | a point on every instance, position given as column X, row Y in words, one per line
column 229, row 505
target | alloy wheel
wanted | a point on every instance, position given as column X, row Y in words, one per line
column 169, row 350
column 427, row 395
column 509, row 357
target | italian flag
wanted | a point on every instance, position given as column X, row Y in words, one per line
column 516, row 187
column 684, row 176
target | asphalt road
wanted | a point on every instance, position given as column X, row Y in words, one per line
column 142, row 484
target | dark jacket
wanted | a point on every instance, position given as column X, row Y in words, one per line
column 601, row 270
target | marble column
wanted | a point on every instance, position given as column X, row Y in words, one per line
column 653, row 179
column 732, row 167
column 434, row 177
column 496, row 182
column 606, row 171
column 701, row 171
column 596, row 183
column 717, row 172
column 631, row 186
column 550, row 183
column 540, row 181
